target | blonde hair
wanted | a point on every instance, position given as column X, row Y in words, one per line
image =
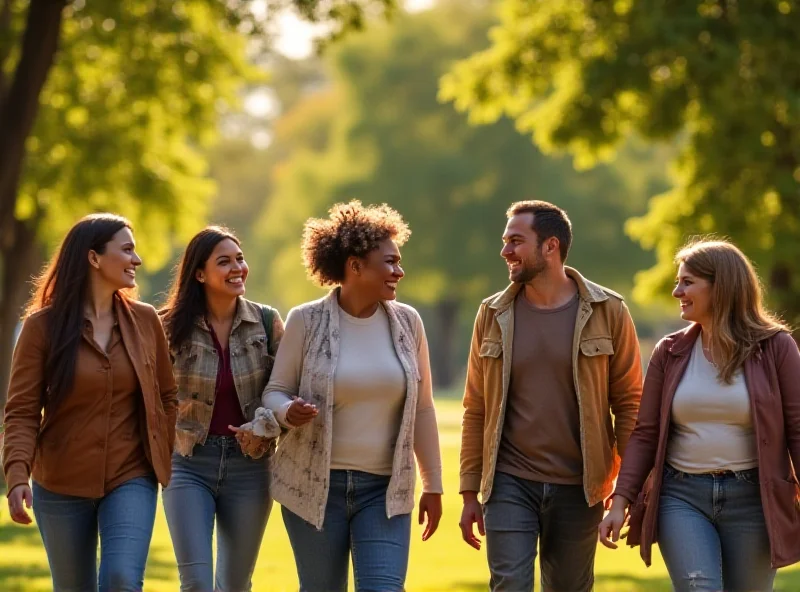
column 738, row 315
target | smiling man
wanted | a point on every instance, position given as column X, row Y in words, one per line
column 553, row 356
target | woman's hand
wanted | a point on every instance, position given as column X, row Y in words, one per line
column 430, row 504
column 20, row 498
column 300, row 413
column 612, row 524
column 251, row 445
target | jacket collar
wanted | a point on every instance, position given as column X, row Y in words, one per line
column 681, row 342
column 588, row 291
column 245, row 312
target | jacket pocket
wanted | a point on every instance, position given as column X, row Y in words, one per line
column 491, row 349
column 597, row 346
column 785, row 495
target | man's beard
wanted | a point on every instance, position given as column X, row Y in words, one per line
column 529, row 271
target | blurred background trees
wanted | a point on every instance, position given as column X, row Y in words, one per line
column 723, row 76
column 180, row 113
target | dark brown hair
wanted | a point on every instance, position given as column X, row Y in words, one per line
column 63, row 286
column 739, row 319
column 548, row 221
column 351, row 230
column 187, row 298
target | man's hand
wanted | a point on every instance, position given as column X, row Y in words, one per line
column 472, row 513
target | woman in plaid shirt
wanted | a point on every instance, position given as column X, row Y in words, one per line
column 223, row 348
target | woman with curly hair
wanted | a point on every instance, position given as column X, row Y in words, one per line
column 352, row 384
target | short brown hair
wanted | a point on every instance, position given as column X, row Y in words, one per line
column 351, row 230
column 548, row 221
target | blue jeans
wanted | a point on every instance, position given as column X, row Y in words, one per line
column 217, row 481
column 711, row 532
column 521, row 513
column 355, row 522
column 70, row 525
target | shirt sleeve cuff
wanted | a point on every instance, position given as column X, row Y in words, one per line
column 281, row 414
column 470, row 482
column 16, row 474
column 432, row 482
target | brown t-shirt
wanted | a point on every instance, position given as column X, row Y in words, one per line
column 541, row 434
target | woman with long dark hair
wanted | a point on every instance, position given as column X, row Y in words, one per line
column 719, row 434
column 223, row 347
column 91, row 411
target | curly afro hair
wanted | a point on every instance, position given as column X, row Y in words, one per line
column 351, row 230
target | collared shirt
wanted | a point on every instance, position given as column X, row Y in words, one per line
column 108, row 381
column 116, row 422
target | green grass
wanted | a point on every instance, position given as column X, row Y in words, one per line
column 443, row 563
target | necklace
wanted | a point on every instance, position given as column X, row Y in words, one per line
column 710, row 356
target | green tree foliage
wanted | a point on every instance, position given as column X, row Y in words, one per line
column 384, row 137
column 109, row 105
column 581, row 75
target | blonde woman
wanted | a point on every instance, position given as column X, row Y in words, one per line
column 352, row 384
column 719, row 427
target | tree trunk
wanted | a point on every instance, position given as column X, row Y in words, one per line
column 443, row 354
column 19, row 264
column 18, row 109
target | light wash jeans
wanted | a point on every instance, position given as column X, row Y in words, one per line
column 355, row 523
column 521, row 513
column 70, row 526
column 712, row 534
column 217, row 482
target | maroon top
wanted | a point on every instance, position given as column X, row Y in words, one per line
column 227, row 410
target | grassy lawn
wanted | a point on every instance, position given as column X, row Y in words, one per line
column 443, row 563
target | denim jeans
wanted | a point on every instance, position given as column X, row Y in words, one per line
column 70, row 526
column 217, row 482
column 711, row 532
column 355, row 522
column 521, row 513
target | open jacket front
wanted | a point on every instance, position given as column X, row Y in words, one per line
column 772, row 376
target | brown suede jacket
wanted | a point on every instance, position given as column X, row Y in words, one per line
column 607, row 372
column 65, row 451
column 772, row 376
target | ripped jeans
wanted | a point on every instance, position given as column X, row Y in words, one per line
column 712, row 534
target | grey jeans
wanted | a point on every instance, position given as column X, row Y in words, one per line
column 521, row 514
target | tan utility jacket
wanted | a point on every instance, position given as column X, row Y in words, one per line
column 607, row 372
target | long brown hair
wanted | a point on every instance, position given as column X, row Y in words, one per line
column 739, row 318
column 63, row 286
column 187, row 298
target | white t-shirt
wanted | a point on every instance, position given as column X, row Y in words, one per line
column 712, row 425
